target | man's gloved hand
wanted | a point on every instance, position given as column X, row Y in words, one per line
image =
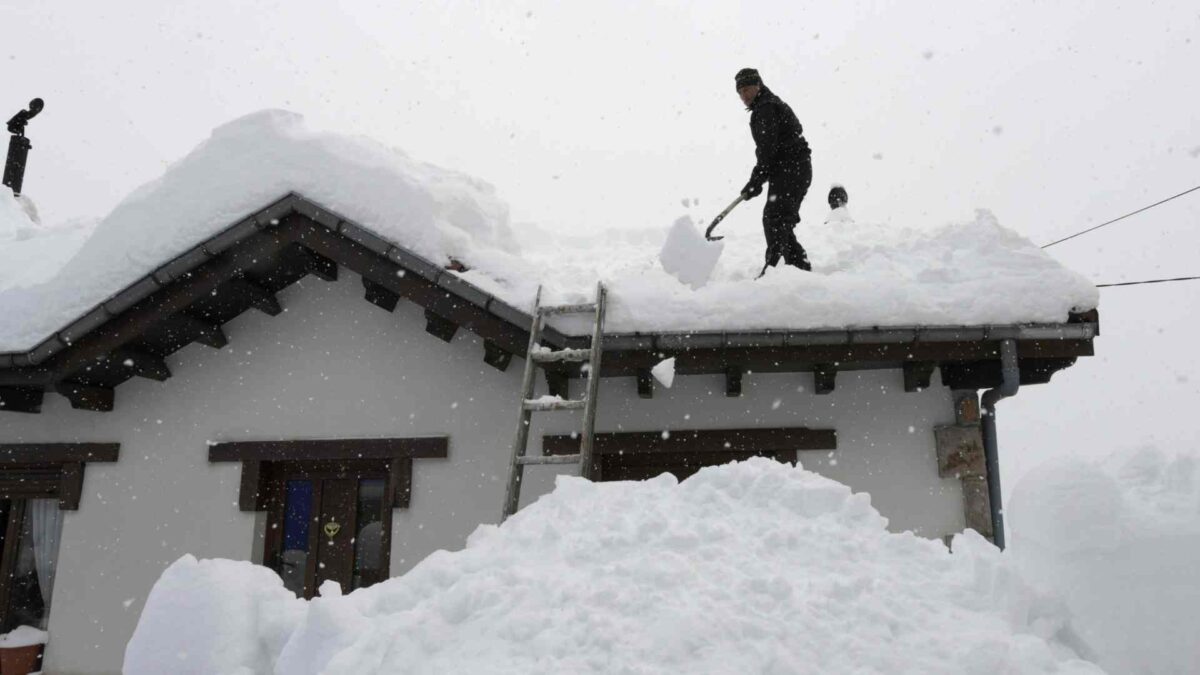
column 751, row 191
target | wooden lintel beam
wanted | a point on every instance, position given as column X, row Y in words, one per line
column 259, row 298
column 439, row 326
column 917, row 375
column 141, row 364
column 86, row 397
column 824, row 378
column 699, row 441
column 21, row 399
column 733, row 381
column 380, row 296
column 496, row 356
column 645, row 383
column 427, row 447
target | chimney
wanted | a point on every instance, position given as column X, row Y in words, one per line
column 19, row 146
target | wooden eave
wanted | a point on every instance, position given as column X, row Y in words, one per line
column 246, row 265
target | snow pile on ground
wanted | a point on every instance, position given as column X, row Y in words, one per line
column 1120, row 542
column 753, row 567
column 969, row 273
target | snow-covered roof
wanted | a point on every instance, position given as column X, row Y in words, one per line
column 972, row 273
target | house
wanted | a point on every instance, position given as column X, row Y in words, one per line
column 265, row 356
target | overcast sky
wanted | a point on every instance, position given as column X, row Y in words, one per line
column 1056, row 116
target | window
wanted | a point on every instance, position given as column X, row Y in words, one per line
column 32, row 528
column 37, row 483
column 328, row 504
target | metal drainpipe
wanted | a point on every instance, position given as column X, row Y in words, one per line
column 1010, row 381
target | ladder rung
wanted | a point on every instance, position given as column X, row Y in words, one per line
column 549, row 459
column 548, row 310
column 547, row 403
column 552, row 355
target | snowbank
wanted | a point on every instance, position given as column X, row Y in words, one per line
column 756, row 567
column 1120, row 542
column 968, row 273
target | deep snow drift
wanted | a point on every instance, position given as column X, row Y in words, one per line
column 969, row 273
column 1119, row 540
column 755, row 567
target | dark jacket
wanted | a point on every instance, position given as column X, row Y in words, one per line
column 778, row 137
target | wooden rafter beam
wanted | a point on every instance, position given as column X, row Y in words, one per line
column 86, row 397
column 21, row 399
column 645, row 383
column 558, row 383
column 824, row 378
column 195, row 330
column 141, row 364
column 918, row 374
column 318, row 265
column 380, row 296
column 254, row 295
column 496, row 356
column 733, row 381
column 439, row 326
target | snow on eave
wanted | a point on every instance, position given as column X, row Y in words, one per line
column 296, row 203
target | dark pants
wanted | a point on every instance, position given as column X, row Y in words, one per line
column 788, row 185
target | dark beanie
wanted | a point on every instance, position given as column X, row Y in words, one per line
column 746, row 77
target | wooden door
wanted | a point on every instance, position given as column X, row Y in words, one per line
column 329, row 525
column 335, row 534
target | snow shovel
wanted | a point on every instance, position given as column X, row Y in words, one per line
column 721, row 216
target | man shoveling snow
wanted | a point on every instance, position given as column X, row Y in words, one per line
column 784, row 161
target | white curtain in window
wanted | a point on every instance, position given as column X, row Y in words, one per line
column 45, row 521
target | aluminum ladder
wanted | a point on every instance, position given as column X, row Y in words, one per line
column 536, row 356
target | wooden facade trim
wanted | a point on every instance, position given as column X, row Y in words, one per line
column 50, row 470
column 698, row 441
column 391, row 457
column 331, row 449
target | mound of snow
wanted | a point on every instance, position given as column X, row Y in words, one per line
column 1120, row 542
column 245, row 165
column 755, row 567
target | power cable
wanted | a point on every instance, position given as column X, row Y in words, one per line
column 1132, row 213
column 1148, row 281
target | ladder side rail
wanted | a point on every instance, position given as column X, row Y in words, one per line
column 587, row 443
column 512, row 493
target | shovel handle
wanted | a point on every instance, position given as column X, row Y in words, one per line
column 721, row 216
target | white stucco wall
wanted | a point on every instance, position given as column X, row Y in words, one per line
column 333, row 366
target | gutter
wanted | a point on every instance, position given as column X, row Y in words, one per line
column 1010, row 382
